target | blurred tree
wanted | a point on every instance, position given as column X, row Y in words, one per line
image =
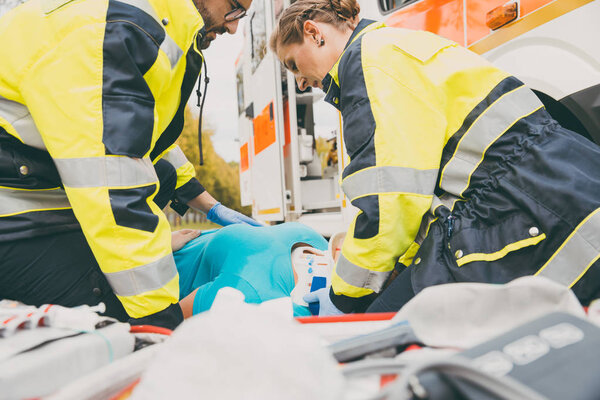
column 220, row 178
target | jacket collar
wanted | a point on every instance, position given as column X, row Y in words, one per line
column 331, row 82
column 184, row 21
column 364, row 26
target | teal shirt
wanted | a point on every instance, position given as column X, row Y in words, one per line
column 253, row 260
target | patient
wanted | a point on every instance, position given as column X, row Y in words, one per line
column 254, row 260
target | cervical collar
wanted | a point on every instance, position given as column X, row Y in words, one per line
column 308, row 266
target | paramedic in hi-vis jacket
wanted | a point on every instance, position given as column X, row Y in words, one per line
column 92, row 98
column 458, row 171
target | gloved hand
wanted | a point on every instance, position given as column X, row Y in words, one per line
column 326, row 307
column 219, row 214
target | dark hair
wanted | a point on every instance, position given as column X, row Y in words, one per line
column 290, row 27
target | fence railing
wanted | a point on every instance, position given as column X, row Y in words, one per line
column 190, row 217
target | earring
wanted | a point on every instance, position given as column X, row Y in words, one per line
column 322, row 42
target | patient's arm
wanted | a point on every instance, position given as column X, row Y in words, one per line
column 187, row 304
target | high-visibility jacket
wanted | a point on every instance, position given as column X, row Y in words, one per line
column 419, row 116
column 91, row 93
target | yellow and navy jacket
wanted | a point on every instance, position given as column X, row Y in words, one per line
column 92, row 92
column 402, row 94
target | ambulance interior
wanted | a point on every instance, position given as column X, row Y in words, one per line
column 290, row 141
column 317, row 132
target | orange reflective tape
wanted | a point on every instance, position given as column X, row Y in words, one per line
column 528, row 22
column 286, row 128
column 528, row 6
column 244, row 157
column 264, row 129
column 442, row 17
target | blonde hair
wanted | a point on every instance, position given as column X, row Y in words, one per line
column 290, row 27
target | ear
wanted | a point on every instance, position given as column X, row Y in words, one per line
column 311, row 29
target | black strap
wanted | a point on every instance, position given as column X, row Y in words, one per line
column 201, row 105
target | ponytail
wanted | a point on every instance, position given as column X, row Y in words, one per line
column 341, row 14
column 346, row 10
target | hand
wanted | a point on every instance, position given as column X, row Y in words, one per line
column 326, row 307
column 219, row 214
column 180, row 238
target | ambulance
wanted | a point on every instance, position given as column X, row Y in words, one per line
column 284, row 175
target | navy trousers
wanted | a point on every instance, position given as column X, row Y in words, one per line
column 61, row 269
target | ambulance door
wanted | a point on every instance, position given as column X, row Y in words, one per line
column 267, row 117
column 244, row 135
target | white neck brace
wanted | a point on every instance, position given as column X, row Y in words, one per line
column 313, row 263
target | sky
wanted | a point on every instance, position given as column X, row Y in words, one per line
column 220, row 108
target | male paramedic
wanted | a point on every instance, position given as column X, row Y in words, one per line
column 92, row 98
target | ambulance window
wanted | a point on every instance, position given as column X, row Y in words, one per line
column 239, row 80
column 387, row 6
column 258, row 34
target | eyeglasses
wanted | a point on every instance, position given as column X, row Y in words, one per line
column 238, row 12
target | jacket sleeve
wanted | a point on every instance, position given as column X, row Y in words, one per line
column 187, row 186
column 394, row 136
column 99, row 129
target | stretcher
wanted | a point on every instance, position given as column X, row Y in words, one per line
column 381, row 357
column 54, row 352
column 475, row 372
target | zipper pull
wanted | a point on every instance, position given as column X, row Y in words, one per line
column 450, row 221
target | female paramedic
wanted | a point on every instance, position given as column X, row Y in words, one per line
column 264, row 263
column 457, row 169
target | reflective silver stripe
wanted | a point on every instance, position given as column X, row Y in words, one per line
column 576, row 254
column 389, row 180
column 171, row 49
column 168, row 45
column 360, row 277
column 447, row 200
column 498, row 118
column 110, row 171
column 176, row 157
column 19, row 117
column 423, row 228
column 143, row 279
column 435, row 203
column 19, row 201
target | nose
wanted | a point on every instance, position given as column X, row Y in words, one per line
column 232, row 26
column 302, row 83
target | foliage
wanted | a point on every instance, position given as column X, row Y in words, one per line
column 203, row 226
column 324, row 147
column 220, row 178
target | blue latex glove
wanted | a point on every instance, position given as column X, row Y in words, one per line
column 219, row 214
column 326, row 307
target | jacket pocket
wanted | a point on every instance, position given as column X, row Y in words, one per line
column 491, row 243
